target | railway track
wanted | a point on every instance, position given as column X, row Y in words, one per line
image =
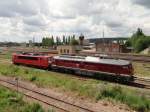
column 60, row 105
column 5, row 61
column 125, row 56
column 142, row 79
column 139, row 81
column 142, row 82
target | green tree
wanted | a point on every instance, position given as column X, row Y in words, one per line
column 74, row 37
column 58, row 41
column 53, row 40
column 73, row 41
column 64, row 39
column 43, row 42
column 46, row 42
column 69, row 39
column 128, row 43
column 142, row 44
column 139, row 32
column 139, row 41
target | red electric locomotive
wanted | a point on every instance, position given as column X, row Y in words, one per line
column 31, row 59
column 91, row 65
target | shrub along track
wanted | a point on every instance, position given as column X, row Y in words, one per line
column 58, row 104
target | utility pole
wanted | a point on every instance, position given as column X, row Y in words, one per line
column 16, row 79
column 33, row 41
column 103, row 35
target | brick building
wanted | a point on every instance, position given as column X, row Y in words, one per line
column 68, row 49
column 110, row 47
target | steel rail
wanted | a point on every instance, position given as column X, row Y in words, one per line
column 42, row 94
column 144, row 82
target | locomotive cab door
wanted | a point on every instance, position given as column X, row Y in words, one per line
column 43, row 62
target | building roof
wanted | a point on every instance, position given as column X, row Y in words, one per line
column 100, row 40
column 93, row 60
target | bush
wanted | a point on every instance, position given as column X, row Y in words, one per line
column 33, row 108
column 15, row 69
column 11, row 101
column 51, row 110
column 90, row 88
column 140, row 104
column 26, row 71
column 33, row 78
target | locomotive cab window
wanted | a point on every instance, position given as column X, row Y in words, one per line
column 125, row 67
column 27, row 58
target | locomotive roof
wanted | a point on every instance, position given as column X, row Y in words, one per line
column 32, row 55
column 93, row 60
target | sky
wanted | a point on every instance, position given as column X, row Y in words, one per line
column 23, row 20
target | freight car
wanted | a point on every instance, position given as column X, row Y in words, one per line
column 119, row 70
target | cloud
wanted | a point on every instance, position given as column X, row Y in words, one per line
column 145, row 3
column 18, row 8
column 38, row 20
column 20, row 20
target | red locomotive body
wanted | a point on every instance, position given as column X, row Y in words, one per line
column 31, row 60
column 88, row 65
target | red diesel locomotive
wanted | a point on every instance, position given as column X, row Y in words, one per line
column 84, row 65
column 94, row 66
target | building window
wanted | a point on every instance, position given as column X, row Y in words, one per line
column 64, row 51
column 68, row 51
column 106, row 49
column 115, row 50
column 60, row 50
column 99, row 49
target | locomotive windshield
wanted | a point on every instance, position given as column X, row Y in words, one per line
column 27, row 58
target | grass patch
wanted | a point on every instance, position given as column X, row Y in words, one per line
column 11, row 101
column 142, row 69
column 33, row 78
column 6, row 55
column 141, row 104
column 93, row 89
